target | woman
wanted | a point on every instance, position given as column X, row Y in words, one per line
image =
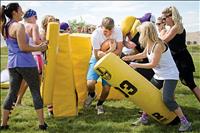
column 46, row 20
column 175, row 38
column 21, row 63
column 32, row 29
column 166, row 72
column 160, row 23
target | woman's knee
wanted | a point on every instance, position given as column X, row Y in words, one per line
column 38, row 103
column 170, row 103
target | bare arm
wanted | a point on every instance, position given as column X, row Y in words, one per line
column 118, row 51
column 168, row 36
column 21, row 39
column 36, row 34
column 137, row 56
column 156, row 59
column 98, row 53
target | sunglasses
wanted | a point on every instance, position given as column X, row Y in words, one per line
column 167, row 16
column 158, row 24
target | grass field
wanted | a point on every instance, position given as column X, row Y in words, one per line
column 117, row 119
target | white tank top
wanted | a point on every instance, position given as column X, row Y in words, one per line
column 166, row 68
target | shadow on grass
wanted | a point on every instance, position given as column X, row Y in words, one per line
column 193, row 115
column 116, row 120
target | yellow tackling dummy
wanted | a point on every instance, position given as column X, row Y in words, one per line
column 134, row 86
column 58, row 84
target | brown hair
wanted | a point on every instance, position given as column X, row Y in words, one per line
column 7, row 11
column 108, row 23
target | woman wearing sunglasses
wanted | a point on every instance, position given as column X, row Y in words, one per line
column 160, row 23
column 175, row 38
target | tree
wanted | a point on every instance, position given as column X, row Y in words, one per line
column 188, row 42
column 194, row 42
column 74, row 23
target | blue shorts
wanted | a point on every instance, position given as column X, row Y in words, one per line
column 92, row 75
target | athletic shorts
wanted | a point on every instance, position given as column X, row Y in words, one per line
column 39, row 61
column 92, row 75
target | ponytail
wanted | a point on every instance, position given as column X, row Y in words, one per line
column 6, row 11
column 3, row 19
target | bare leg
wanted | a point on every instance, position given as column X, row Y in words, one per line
column 196, row 92
column 105, row 93
column 40, row 115
column 21, row 92
column 179, row 112
column 91, row 93
column 5, row 115
column 91, row 85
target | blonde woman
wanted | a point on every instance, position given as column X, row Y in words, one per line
column 175, row 38
column 44, row 24
column 166, row 73
column 47, row 19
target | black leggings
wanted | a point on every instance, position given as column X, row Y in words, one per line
column 30, row 75
column 186, row 68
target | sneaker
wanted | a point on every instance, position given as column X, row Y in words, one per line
column 100, row 109
column 50, row 113
column 43, row 127
column 185, row 127
column 89, row 100
column 5, row 127
column 140, row 121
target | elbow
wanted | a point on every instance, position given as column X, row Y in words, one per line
column 37, row 41
column 152, row 65
column 24, row 49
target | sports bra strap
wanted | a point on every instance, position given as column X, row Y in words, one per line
column 6, row 28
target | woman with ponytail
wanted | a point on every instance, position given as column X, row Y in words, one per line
column 21, row 64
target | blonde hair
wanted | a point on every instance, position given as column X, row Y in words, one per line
column 176, row 17
column 46, row 20
column 148, row 32
column 159, row 19
column 44, row 24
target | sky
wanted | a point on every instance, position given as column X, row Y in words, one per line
column 92, row 12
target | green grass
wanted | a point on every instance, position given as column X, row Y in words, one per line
column 117, row 119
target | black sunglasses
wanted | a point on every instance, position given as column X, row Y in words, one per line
column 167, row 16
column 158, row 23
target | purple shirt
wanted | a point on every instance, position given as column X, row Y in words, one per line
column 16, row 57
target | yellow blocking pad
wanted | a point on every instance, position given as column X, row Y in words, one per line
column 134, row 86
column 133, row 30
column 127, row 24
column 113, row 94
column 49, row 68
column 5, row 85
column 80, row 47
column 64, row 96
